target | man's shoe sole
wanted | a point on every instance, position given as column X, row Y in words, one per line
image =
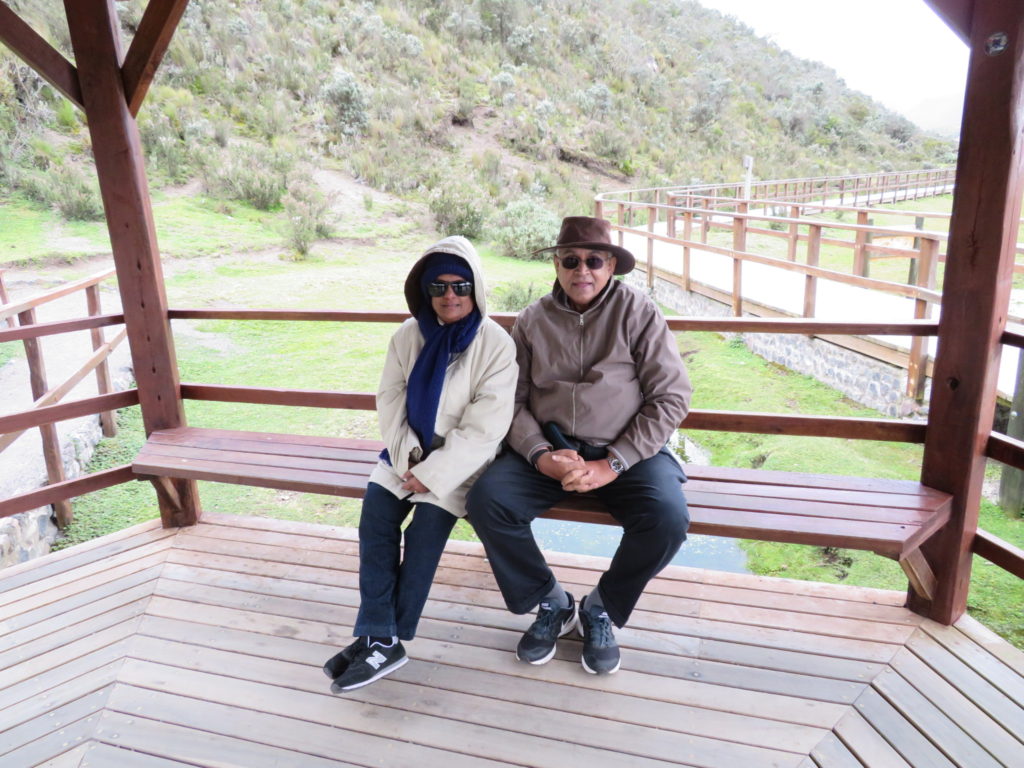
column 335, row 688
column 595, row 672
column 568, row 627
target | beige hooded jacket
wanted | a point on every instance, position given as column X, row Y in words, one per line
column 476, row 403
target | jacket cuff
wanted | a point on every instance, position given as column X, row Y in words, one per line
column 625, row 453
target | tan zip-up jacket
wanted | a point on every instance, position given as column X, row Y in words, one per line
column 609, row 376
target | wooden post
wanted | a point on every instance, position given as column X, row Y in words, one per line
column 48, row 432
column 811, row 282
column 687, row 234
column 621, row 217
column 1011, row 481
column 861, row 257
column 842, row 191
column 924, row 277
column 739, row 243
column 652, row 217
column 117, row 149
column 103, row 385
column 4, row 299
column 979, row 272
column 794, row 233
column 598, row 208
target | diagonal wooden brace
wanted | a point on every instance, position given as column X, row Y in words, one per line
column 920, row 574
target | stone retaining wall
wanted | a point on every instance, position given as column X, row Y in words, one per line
column 30, row 534
column 863, row 379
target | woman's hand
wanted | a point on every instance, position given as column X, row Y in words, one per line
column 412, row 483
column 593, row 474
column 556, row 464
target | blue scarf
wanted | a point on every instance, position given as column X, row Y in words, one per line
column 423, row 393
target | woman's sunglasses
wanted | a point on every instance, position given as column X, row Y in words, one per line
column 571, row 262
column 440, row 288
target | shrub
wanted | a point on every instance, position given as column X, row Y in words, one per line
column 253, row 173
column 76, row 196
column 309, row 215
column 524, row 226
column 459, row 209
column 347, row 102
column 517, row 295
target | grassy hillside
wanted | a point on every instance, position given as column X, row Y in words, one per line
column 470, row 107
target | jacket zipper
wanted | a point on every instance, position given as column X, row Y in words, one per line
column 579, row 379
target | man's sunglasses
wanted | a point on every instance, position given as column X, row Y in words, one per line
column 571, row 262
column 440, row 288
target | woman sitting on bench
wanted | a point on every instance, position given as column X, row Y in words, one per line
column 444, row 404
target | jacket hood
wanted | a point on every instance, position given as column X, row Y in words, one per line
column 456, row 245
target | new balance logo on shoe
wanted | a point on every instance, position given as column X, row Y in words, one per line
column 376, row 659
column 370, row 663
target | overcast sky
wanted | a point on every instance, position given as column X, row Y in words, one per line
column 896, row 51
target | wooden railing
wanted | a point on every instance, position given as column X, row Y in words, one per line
column 675, row 222
column 896, row 430
column 18, row 323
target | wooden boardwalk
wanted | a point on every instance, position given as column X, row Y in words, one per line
column 203, row 646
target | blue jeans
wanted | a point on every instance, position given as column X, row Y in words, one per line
column 647, row 501
column 393, row 591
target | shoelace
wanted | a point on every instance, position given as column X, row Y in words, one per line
column 547, row 619
column 600, row 629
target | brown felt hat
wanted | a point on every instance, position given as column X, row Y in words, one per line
column 595, row 234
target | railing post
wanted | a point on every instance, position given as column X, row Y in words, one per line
column 48, row 432
column 925, row 278
column 4, row 297
column 811, row 281
column 652, row 217
column 687, row 234
column 621, row 217
column 861, row 259
column 705, row 220
column 670, row 216
column 842, row 191
column 794, row 233
column 739, row 244
column 598, row 208
column 103, row 385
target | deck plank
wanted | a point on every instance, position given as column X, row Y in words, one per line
column 832, row 753
column 62, row 717
column 100, row 755
column 524, row 690
column 1006, row 746
column 999, row 674
column 195, row 746
column 943, row 731
column 1008, row 712
column 867, row 744
column 915, row 747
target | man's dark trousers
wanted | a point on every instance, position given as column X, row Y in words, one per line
column 647, row 501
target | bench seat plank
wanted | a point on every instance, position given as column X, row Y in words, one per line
column 890, row 517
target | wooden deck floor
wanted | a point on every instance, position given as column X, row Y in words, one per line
column 203, row 647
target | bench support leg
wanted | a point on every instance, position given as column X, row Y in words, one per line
column 920, row 574
column 168, row 495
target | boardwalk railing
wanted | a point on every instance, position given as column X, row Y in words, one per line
column 793, row 227
column 18, row 323
column 1001, row 553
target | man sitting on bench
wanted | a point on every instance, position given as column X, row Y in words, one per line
column 601, row 389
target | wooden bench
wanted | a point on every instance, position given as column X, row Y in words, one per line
column 890, row 517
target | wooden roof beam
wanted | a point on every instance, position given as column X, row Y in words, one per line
column 957, row 14
column 39, row 54
column 147, row 49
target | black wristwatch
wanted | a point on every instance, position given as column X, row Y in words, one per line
column 617, row 466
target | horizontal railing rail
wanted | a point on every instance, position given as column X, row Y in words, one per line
column 20, row 324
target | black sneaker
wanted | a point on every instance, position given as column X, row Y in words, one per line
column 371, row 662
column 600, row 651
column 338, row 663
column 537, row 645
